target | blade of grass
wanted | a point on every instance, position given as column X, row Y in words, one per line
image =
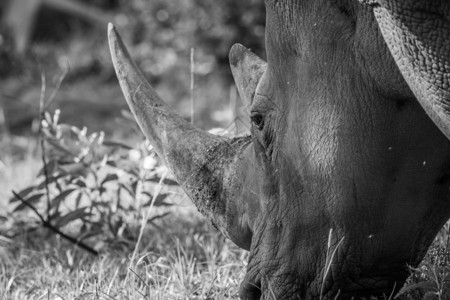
column 329, row 260
column 192, row 85
column 144, row 222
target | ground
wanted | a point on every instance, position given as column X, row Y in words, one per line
column 179, row 255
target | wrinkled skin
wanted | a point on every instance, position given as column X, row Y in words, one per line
column 345, row 136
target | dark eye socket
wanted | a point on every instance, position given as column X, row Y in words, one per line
column 258, row 120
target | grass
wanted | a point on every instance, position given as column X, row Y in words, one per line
column 176, row 257
column 167, row 267
column 186, row 260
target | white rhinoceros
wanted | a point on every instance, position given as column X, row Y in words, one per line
column 350, row 126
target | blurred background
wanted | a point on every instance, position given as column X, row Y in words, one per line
column 57, row 50
column 67, row 38
column 81, row 168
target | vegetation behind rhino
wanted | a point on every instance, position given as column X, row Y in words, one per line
column 348, row 116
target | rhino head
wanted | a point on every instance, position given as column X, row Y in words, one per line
column 350, row 127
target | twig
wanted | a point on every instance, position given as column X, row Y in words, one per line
column 41, row 139
column 137, row 275
column 192, row 85
column 48, row 225
column 144, row 222
column 42, row 108
column 58, row 85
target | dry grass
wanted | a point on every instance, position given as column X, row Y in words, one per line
column 178, row 257
column 201, row 265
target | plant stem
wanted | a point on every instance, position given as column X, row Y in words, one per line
column 48, row 225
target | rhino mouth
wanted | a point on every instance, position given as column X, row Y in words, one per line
column 384, row 284
column 250, row 290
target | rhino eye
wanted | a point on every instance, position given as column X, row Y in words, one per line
column 258, row 120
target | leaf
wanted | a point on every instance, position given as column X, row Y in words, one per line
column 23, row 193
column 52, row 167
column 147, row 194
column 6, row 239
column 101, row 190
column 158, row 217
column 128, row 166
column 80, row 183
column 50, row 180
column 159, row 201
column 424, row 285
column 32, row 200
column 72, row 216
column 48, row 118
column 134, row 186
column 431, row 296
column 75, row 130
column 126, row 114
column 101, row 204
column 55, row 216
column 447, row 275
column 75, row 169
column 128, row 189
column 109, row 177
column 91, row 233
column 117, row 144
column 166, row 181
column 57, row 146
column 57, row 200
column 78, row 200
column 111, row 163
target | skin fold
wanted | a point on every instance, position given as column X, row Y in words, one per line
column 416, row 33
column 347, row 154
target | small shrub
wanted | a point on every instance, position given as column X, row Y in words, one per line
column 93, row 187
column 431, row 279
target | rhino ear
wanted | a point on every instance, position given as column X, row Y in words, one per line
column 247, row 69
column 418, row 36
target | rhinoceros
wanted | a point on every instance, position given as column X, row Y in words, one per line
column 344, row 179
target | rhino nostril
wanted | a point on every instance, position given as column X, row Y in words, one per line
column 250, row 290
column 258, row 120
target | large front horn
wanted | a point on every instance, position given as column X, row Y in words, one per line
column 205, row 165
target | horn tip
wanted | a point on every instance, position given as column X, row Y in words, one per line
column 110, row 26
column 237, row 52
column 112, row 31
column 116, row 46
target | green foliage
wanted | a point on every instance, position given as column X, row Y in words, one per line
column 162, row 29
column 208, row 25
column 431, row 279
column 91, row 186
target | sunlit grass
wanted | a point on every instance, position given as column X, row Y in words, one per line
column 178, row 257
column 187, row 260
